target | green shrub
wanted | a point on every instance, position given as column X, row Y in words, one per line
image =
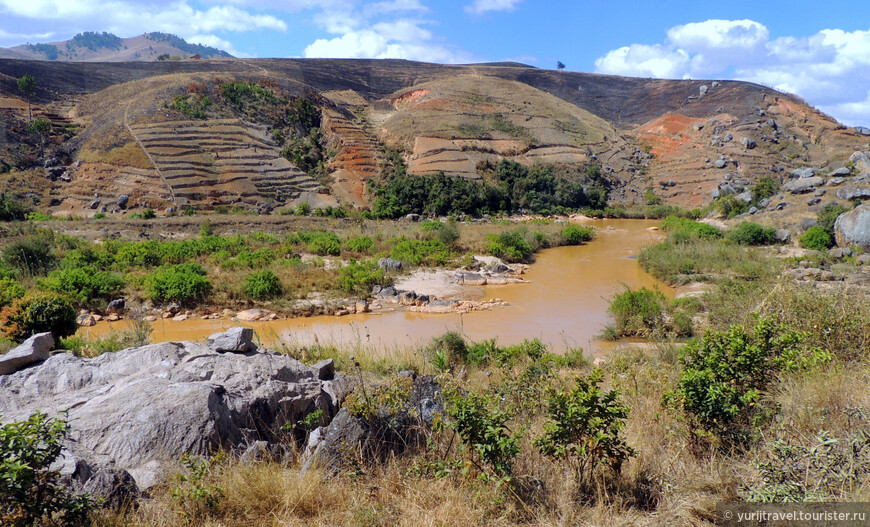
column 38, row 314
column 828, row 216
column 321, row 243
column 638, row 312
column 683, row 230
column 179, row 283
column 360, row 244
column 358, row 278
column 11, row 209
column 765, row 188
column 484, row 428
column 447, row 350
column 725, row 373
column 263, row 285
column 31, row 255
column 583, row 427
column 31, row 493
column 420, row 252
column 750, row 233
column 817, row 239
column 573, row 235
column 82, row 284
column 10, row 290
column 510, row 246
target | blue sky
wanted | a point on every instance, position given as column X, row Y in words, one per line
column 818, row 50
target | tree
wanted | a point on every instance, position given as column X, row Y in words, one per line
column 27, row 87
column 559, row 65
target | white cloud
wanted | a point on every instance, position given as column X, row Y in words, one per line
column 215, row 42
column 830, row 69
column 478, row 7
column 386, row 29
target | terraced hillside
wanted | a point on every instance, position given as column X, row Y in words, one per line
column 681, row 138
column 221, row 162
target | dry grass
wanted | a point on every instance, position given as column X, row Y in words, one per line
column 129, row 154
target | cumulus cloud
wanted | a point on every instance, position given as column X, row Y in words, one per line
column 482, row 6
column 387, row 29
column 830, row 69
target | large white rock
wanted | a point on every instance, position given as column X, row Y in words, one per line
column 29, row 352
column 853, row 227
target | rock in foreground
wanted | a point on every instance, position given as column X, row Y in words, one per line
column 134, row 411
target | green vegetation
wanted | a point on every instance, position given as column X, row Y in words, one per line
column 11, row 209
column 192, row 106
column 27, row 87
column 574, row 235
column 30, row 493
column 725, row 373
column 83, row 284
column 49, row 50
column 241, row 93
column 38, row 314
column 816, row 238
column 506, row 188
column 93, row 41
column 749, row 233
column 358, row 278
column 263, row 285
column 203, row 51
column 181, row 283
column 647, row 312
column 39, row 127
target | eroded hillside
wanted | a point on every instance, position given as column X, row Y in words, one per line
column 267, row 133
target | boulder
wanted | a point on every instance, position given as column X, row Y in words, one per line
column 861, row 162
column 143, row 408
column 748, row 143
column 236, row 340
column 802, row 185
column 850, row 192
column 86, row 320
column 853, row 227
column 782, row 235
column 31, row 351
column 720, row 163
column 841, row 172
column 122, row 200
column 116, row 306
column 388, row 264
column 251, row 315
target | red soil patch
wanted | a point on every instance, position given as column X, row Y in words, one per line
column 409, row 97
column 669, row 135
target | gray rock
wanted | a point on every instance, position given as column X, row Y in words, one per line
column 820, row 192
column 94, row 204
column 840, row 252
column 116, row 306
column 842, row 171
column 771, row 123
column 412, row 217
column 806, row 223
column 861, row 162
column 850, row 192
column 728, row 137
column 388, row 264
column 764, row 203
column 142, row 407
column 802, row 185
column 720, row 163
column 748, row 143
column 780, row 206
column 122, row 200
column 834, row 181
column 325, row 369
column 702, row 90
column 853, row 227
column 863, row 130
column 746, row 197
column 236, row 340
column 31, row 351
column 814, row 201
column 782, row 235
column 752, row 210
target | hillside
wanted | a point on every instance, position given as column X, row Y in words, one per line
column 271, row 132
column 106, row 47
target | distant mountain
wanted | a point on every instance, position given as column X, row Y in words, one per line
column 106, row 47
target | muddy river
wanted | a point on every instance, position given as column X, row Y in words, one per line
column 564, row 303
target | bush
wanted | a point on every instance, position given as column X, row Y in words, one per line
column 583, row 427
column 30, row 493
column 82, row 284
column 360, row 244
column 263, row 285
column 447, row 350
column 321, row 243
column 31, row 255
column 510, row 246
column 817, row 239
column 750, row 233
column 683, row 230
column 725, row 374
column 573, row 235
column 484, row 428
column 638, row 312
column 828, row 216
column 417, row 252
column 179, row 283
column 11, row 209
column 39, row 314
column 10, row 290
column 358, row 278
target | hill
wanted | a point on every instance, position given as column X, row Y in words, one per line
column 106, row 47
column 271, row 132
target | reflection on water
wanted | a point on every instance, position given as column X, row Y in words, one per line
column 564, row 305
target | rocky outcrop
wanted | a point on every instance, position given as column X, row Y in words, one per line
column 32, row 350
column 853, row 227
column 803, row 184
column 133, row 412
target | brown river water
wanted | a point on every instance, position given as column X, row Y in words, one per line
column 564, row 303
